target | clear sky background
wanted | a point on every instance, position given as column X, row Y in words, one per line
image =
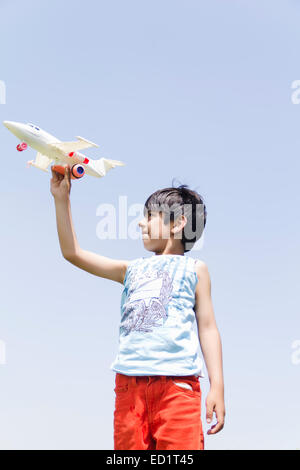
column 198, row 91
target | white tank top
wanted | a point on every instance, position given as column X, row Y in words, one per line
column 156, row 333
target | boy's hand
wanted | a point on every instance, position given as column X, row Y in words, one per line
column 215, row 403
column 60, row 185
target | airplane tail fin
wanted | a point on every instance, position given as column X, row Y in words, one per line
column 103, row 165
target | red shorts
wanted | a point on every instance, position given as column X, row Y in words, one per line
column 154, row 413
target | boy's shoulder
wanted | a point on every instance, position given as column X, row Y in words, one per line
column 201, row 268
column 199, row 263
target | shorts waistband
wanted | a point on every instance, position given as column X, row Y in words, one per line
column 134, row 379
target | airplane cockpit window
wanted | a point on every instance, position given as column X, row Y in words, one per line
column 34, row 127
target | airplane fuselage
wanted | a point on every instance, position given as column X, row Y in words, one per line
column 42, row 141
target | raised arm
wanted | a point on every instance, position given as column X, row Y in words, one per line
column 93, row 263
column 98, row 265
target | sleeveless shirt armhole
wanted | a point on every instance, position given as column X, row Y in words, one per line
column 128, row 269
column 126, row 273
column 195, row 272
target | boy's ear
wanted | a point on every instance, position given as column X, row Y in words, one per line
column 178, row 225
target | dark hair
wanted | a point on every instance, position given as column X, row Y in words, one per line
column 177, row 201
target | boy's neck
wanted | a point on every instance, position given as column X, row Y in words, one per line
column 166, row 252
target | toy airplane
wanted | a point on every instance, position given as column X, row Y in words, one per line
column 50, row 149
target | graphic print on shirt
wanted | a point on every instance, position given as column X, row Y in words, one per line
column 146, row 307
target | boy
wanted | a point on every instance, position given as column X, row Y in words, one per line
column 158, row 395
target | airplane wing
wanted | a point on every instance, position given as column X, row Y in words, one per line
column 41, row 161
column 79, row 144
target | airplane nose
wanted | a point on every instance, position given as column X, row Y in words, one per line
column 16, row 128
column 10, row 125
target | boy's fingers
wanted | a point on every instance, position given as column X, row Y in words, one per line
column 220, row 414
column 209, row 412
column 67, row 173
column 54, row 171
column 215, row 428
column 54, row 174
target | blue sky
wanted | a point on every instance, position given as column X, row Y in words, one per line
column 198, row 91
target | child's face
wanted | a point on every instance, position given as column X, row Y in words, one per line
column 155, row 232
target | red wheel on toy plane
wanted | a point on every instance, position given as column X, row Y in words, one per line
column 22, row 146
